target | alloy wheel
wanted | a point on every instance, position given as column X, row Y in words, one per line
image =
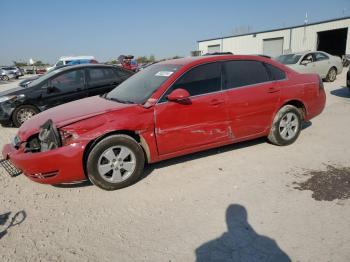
column 289, row 126
column 116, row 164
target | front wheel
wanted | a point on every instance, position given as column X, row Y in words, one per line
column 115, row 162
column 286, row 126
column 23, row 113
column 5, row 78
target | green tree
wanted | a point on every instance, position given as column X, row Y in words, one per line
column 19, row 63
column 151, row 59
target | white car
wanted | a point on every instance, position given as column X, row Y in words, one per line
column 322, row 63
column 67, row 59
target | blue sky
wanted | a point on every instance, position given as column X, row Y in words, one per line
column 45, row 30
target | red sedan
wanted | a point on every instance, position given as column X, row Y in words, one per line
column 169, row 109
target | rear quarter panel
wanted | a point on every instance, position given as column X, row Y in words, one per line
column 304, row 88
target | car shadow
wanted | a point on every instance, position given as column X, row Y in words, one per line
column 240, row 242
column 17, row 219
column 341, row 92
column 84, row 183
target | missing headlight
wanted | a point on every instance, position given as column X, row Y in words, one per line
column 49, row 137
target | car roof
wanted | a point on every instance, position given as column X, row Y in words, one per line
column 212, row 58
column 69, row 67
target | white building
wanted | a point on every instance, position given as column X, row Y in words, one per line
column 331, row 36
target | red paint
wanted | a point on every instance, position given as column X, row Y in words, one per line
column 167, row 129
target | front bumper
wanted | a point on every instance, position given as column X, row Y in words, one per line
column 6, row 111
column 61, row 165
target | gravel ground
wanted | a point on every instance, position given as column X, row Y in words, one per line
column 238, row 203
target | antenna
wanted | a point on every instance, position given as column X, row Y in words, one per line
column 306, row 19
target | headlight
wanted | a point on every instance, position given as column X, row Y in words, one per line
column 68, row 136
column 7, row 98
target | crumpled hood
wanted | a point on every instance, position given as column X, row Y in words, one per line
column 70, row 113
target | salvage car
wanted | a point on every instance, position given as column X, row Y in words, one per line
column 169, row 109
column 322, row 63
column 57, row 87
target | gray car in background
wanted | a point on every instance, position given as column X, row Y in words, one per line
column 13, row 69
column 6, row 75
column 322, row 63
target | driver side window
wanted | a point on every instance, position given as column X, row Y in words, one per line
column 308, row 58
column 200, row 80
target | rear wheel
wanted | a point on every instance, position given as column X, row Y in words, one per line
column 286, row 126
column 115, row 162
column 23, row 113
column 332, row 74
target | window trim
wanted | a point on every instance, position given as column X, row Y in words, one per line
column 49, row 81
column 207, row 63
column 252, row 85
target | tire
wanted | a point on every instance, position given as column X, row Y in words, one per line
column 5, row 78
column 286, row 126
column 115, row 162
column 332, row 74
column 23, row 113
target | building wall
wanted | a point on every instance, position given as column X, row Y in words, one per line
column 303, row 38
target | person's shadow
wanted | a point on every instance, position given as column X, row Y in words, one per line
column 241, row 243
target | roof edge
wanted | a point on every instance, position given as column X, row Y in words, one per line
column 277, row 29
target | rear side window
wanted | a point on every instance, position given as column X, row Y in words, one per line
column 200, row 80
column 243, row 73
column 101, row 76
column 123, row 73
column 276, row 73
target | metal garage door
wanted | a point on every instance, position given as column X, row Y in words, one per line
column 213, row 49
column 273, row 47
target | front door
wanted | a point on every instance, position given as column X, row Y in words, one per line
column 201, row 121
column 64, row 88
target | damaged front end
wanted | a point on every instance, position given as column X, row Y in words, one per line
column 47, row 139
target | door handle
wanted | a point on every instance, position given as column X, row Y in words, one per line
column 273, row 90
column 216, row 102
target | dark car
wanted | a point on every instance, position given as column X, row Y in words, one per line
column 348, row 79
column 58, row 87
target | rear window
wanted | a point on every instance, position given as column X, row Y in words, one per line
column 288, row 59
column 276, row 73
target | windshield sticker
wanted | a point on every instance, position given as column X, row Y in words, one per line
column 164, row 73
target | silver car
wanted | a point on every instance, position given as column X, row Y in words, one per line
column 6, row 75
column 13, row 69
column 322, row 63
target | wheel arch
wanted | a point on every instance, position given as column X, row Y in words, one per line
column 298, row 104
column 133, row 134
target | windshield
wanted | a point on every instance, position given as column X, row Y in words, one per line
column 288, row 59
column 138, row 88
column 44, row 77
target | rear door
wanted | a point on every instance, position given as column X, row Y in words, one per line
column 251, row 96
column 202, row 121
column 63, row 88
column 101, row 80
column 322, row 63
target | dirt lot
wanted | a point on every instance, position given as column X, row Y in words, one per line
column 247, row 202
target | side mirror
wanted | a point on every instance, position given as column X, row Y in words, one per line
column 305, row 62
column 179, row 95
